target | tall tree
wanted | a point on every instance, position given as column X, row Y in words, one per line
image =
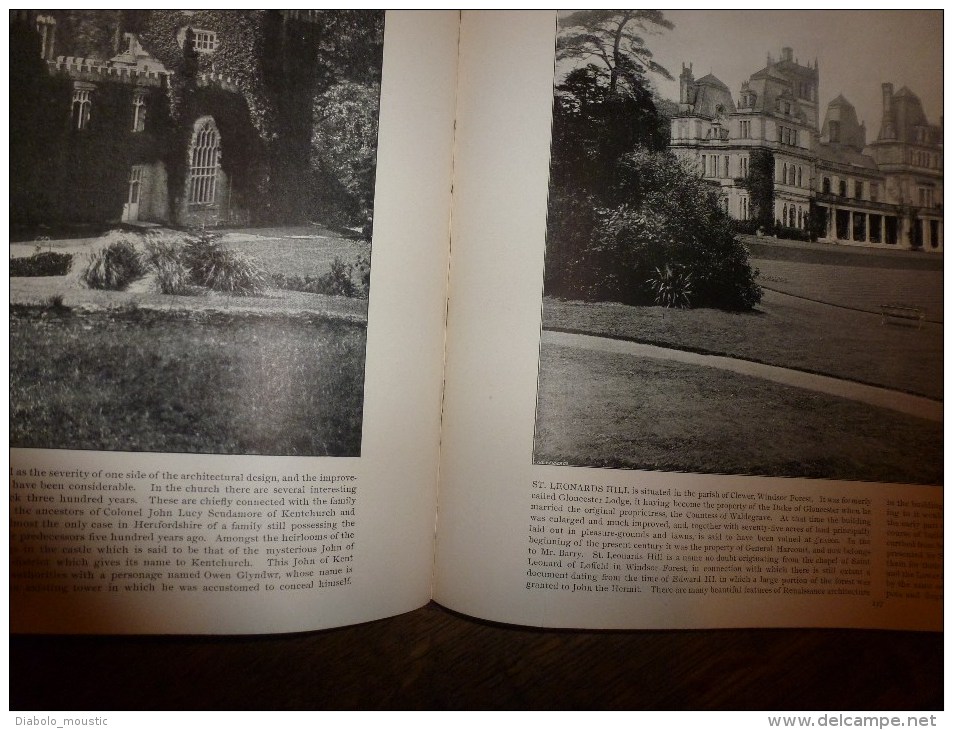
column 344, row 149
column 615, row 39
column 593, row 128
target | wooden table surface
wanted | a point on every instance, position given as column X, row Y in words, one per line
column 435, row 659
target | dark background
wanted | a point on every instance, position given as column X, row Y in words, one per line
column 433, row 658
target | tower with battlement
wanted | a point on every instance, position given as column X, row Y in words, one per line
column 186, row 117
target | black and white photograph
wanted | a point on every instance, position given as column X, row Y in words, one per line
column 744, row 251
column 191, row 210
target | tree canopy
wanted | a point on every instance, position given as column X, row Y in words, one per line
column 604, row 107
column 629, row 222
column 593, row 128
column 614, row 39
column 344, row 145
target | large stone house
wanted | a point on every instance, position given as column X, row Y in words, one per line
column 194, row 118
column 826, row 177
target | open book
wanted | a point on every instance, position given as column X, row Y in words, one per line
column 529, row 459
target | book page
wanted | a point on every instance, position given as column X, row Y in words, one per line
column 611, row 461
column 324, row 521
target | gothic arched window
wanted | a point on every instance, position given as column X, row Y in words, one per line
column 82, row 105
column 204, row 161
column 138, row 111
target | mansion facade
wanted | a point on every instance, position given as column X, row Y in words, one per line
column 96, row 127
column 181, row 117
column 823, row 178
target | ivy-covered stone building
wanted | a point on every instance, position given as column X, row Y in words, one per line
column 774, row 162
column 190, row 118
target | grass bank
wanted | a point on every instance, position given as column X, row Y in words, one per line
column 784, row 330
column 296, row 251
column 606, row 410
column 181, row 381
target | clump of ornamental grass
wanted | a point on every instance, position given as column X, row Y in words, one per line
column 164, row 255
column 113, row 266
column 221, row 269
column 672, row 286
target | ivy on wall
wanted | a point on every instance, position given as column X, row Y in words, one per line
column 242, row 150
column 240, row 44
column 816, row 220
column 57, row 172
column 275, row 69
column 280, row 67
column 37, row 122
column 760, row 187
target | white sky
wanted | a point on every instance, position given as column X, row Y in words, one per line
column 857, row 51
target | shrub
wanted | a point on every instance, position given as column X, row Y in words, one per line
column 673, row 221
column 749, row 227
column 338, row 281
column 791, row 233
column 363, row 270
column 221, row 269
column 48, row 263
column 172, row 277
column 343, row 279
column 198, row 254
column 292, row 282
column 573, row 268
column 776, row 229
column 55, row 303
column 113, row 266
column 634, row 245
column 162, row 247
column 344, row 146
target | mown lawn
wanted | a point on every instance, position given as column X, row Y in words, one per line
column 607, row 410
column 820, row 313
column 302, row 251
column 783, row 330
column 856, row 287
column 180, row 381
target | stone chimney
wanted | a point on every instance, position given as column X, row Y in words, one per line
column 787, row 54
column 887, row 128
column 685, row 84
